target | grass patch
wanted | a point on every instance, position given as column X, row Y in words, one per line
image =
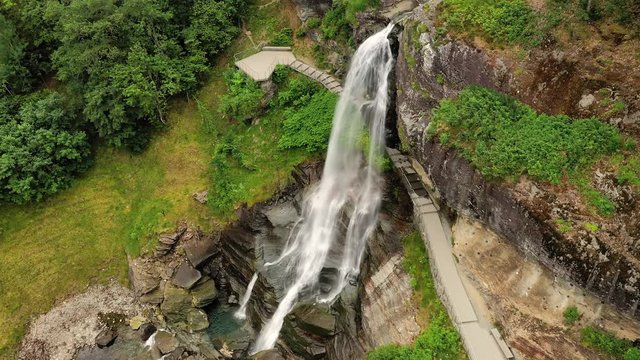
column 80, row 236
column 439, row 339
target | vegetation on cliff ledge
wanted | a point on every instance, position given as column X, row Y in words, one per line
column 516, row 22
column 504, row 138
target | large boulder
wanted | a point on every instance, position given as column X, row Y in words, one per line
column 186, row 275
column 106, row 338
column 146, row 330
column 155, row 296
column 165, row 342
column 196, row 320
column 176, row 300
column 199, row 249
column 142, row 276
column 267, row 355
column 315, row 320
column 204, row 293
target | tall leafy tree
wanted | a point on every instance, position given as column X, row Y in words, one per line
column 39, row 151
column 13, row 75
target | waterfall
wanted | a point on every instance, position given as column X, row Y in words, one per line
column 350, row 188
column 241, row 314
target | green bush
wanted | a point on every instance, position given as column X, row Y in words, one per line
column 40, row 151
column 308, row 124
column 632, row 354
column 571, row 315
column 500, row 21
column 243, row 98
column 340, row 19
column 281, row 74
column 313, row 22
column 504, row 138
column 296, row 91
column 604, row 342
column 283, row 37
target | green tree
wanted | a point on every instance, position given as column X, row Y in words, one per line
column 13, row 75
column 39, row 151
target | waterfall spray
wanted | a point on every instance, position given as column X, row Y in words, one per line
column 350, row 187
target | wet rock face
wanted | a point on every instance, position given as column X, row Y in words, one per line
column 602, row 263
column 313, row 331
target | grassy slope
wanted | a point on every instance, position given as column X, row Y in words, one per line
column 51, row 250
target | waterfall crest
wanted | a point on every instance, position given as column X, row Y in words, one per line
column 341, row 213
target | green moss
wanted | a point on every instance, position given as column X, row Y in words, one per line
column 440, row 79
column 564, row 226
column 591, row 227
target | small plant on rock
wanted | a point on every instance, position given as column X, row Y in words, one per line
column 571, row 315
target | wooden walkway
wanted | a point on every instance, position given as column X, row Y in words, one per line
column 260, row 67
column 480, row 340
column 328, row 81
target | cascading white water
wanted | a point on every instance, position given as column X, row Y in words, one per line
column 241, row 314
column 350, row 187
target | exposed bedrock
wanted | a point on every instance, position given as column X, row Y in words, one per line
column 603, row 263
column 376, row 310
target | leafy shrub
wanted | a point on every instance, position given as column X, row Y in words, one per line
column 283, row 37
column 500, row 21
column 604, row 342
column 571, row 315
column 280, row 74
column 591, row 227
column 243, row 98
column 308, row 124
column 297, row 91
column 313, row 22
column 334, row 23
column 40, row 151
column 340, row 19
column 564, row 226
column 632, row 354
column 504, row 138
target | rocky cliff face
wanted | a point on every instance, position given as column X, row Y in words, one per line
column 430, row 68
column 375, row 312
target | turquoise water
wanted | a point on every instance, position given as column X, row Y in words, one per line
column 222, row 323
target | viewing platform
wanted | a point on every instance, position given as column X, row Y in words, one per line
column 260, row 67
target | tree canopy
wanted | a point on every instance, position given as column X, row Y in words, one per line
column 114, row 63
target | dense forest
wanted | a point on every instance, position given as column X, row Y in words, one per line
column 76, row 72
